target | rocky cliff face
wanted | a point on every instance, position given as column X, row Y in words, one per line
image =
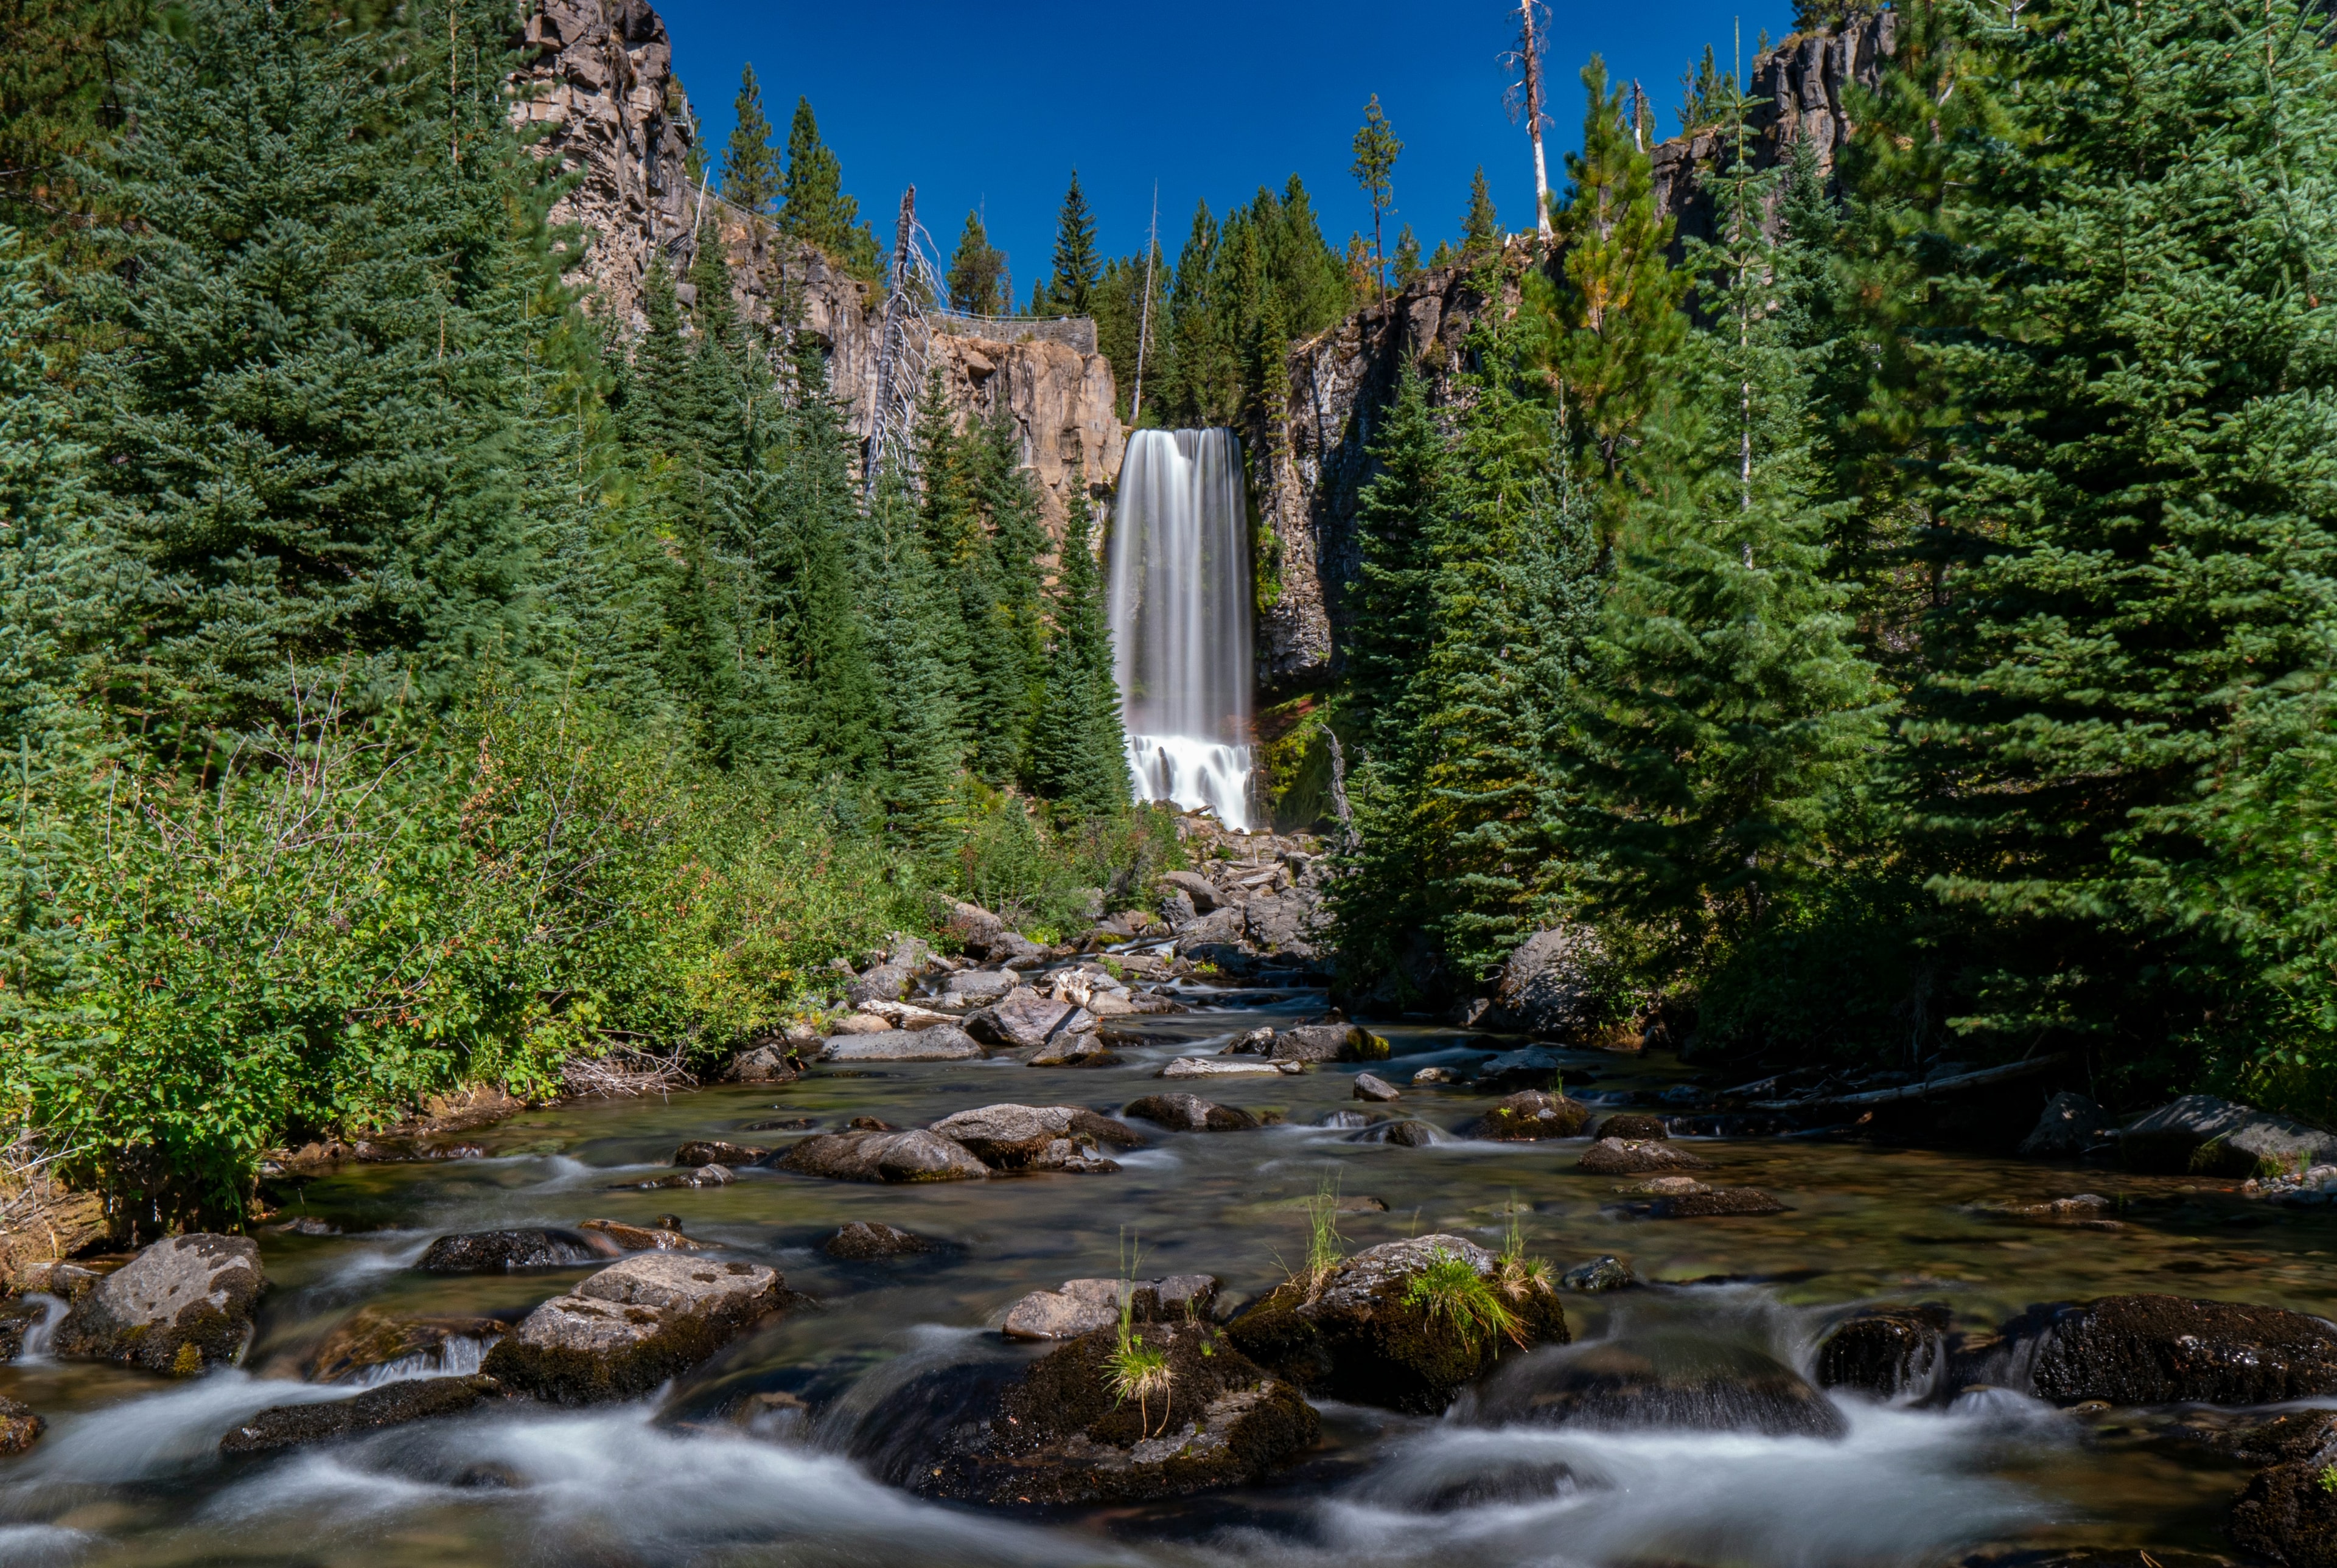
column 1309, row 465
column 603, row 90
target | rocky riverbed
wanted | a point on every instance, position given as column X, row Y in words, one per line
column 711, row 1329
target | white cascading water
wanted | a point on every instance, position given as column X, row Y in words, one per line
column 1180, row 619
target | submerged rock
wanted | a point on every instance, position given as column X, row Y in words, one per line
column 1615, row 1156
column 1532, row 1114
column 1607, row 1273
column 1012, row 1137
column 500, row 1251
column 1377, row 1332
column 1189, row 1113
column 2289, row 1513
column 371, row 1338
column 715, row 1152
column 1063, row 1433
column 179, row 1307
column 869, row 1239
column 20, row 1427
column 2169, row 1350
column 1887, row 1351
column 1670, row 1382
column 633, row 1325
column 1084, row 1306
column 704, row 1176
column 941, row 1043
column 2289, row 1440
column 657, row 1238
column 1634, row 1126
column 911, row 1156
column 390, row 1405
column 1709, row 1203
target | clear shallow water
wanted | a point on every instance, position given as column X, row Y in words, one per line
column 129, row 1472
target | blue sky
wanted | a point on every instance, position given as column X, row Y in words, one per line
column 993, row 104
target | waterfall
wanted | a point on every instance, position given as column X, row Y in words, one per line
column 1180, row 619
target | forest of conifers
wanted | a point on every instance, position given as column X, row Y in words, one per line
column 1900, row 627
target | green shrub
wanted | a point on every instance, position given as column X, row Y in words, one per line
column 1450, row 1288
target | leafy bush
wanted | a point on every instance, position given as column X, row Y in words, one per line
column 1449, row 1287
column 1049, row 881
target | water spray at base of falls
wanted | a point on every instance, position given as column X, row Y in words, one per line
column 1180, row 619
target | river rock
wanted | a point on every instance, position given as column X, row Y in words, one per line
column 703, row 1176
column 1084, row 1306
column 941, row 1043
column 633, row 1325
column 1410, row 1134
column 1535, row 1067
column 1258, row 1042
column 911, row 1156
column 1601, row 1274
column 979, row 988
column 2171, row 1349
column 2213, row 1136
column 715, row 1152
column 1709, row 1203
column 1189, row 1113
column 1614, row 1156
column 1060, row 1433
column 1010, row 1137
column 1176, row 908
column 657, row 1238
column 2288, row 1514
column 391, row 1405
column 1427, row 1075
column 1022, row 1018
column 1532, row 1114
column 1198, row 888
column 180, row 1306
column 371, row 1338
column 1887, row 1351
column 1328, row 1042
column 767, row 1063
column 861, row 1023
column 1550, row 983
column 1358, row 1338
column 1670, row 1382
column 2068, row 1127
column 1371, row 1087
column 864, row 1238
column 1634, row 1125
column 20, row 1427
column 885, row 982
column 1220, row 1067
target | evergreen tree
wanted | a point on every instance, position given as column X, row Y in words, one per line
column 818, row 626
column 978, row 283
column 812, row 206
column 1078, row 267
column 1376, row 148
column 1079, row 749
column 58, row 98
column 1388, row 626
column 1481, row 227
column 1407, row 256
column 1206, row 367
column 1707, row 95
column 750, row 165
column 915, row 735
column 47, row 586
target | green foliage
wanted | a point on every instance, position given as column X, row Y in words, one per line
column 1407, row 256
column 812, row 206
column 1448, row 1288
column 1480, row 226
column 1376, row 148
column 1242, row 292
column 977, row 278
column 1079, row 749
column 1079, row 267
column 750, row 165
column 58, row 97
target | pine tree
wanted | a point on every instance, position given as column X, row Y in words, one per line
column 1078, row 267
column 750, row 165
column 1707, row 95
column 1376, row 148
column 812, row 206
column 978, row 283
column 1388, row 626
column 914, row 733
column 814, row 549
column 1614, row 318
column 1407, row 256
column 58, row 99
column 1207, row 384
column 1079, row 749
column 1481, row 227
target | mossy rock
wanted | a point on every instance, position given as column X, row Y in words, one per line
column 1358, row 1338
column 1532, row 1114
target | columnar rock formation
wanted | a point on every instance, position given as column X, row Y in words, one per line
column 603, row 91
column 1309, row 465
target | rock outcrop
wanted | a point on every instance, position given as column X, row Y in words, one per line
column 633, row 1325
column 179, row 1308
column 391, row 1405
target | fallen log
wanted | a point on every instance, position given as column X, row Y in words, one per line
column 1926, row 1090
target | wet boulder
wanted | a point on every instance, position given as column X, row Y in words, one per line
column 1634, row 1125
column 715, row 1152
column 1671, row 1381
column 2170, row 1349
column 658, row 1238
column 1601, row 1274
column 1405, row 1325
column 1066, row 1432
column 767, row 1063
column 864, row 1238
column 2069, row 1125
column 1258, row 1042
column 2251, row 1440
column 1887, row 1351
column 390, row 1405
column 703, row 1176
column 1531, row 1113
column 1408, row 1134
column 1011, row 1137
column 1372, row 1087
column 502, row 1252
column 941, row 1043
column 1327, row 1043
column 1223, row 1067
column 1708, row 1203
column 2289, row 1513
column 1189, row 1113
column 20, row 1427
column 1615, row 1156
column 2202, row 1134
column 372, row 1342
column 1083, row 1306
column 633, row 1325
column 179, row 1307
column 911, row 1156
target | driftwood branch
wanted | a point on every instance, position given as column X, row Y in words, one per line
column 1930, row 1089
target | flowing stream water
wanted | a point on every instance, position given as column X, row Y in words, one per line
column 130, row 1471
column 1179, row 603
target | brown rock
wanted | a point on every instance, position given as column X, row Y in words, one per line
column 632, row 1326
column 1189, row 1113
column 371, row 1338
column 1612, row 1156
column 2168, row 1349
column 714, row 1151
column 640, row 1239
column 20, row 1427
column 390, row 1405
column 1532, row 1114
column 1714, row 1204
column 911, row 1156
column 868, row 1239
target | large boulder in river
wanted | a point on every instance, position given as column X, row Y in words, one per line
column 2288, row 1514
column 372, row 1343
column 2171, row 1349
column 1888, row 1351
column 1635, row 1158
column 911, row 1156
column 1084, row 1306
column 1670, row 1382
column 501, row 1252
column 1327, row 1043
column 1189, row 1113
column 1026, row 1019
column 1010, row 1137
column 633, row 1325
column 390, row 1405
column 1550, row 985
column 2068, row 1127
column 860, row 1240
column 179, row 1308
column 1066, row 1432
column 1405, row 1324
column 1532, row 1114
column 2219, row 1137
column 941, row 1043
